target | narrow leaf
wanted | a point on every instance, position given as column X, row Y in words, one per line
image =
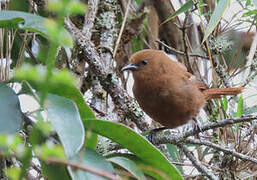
column 225, row 102
column 215, row 18
column 240, row 107
column 189, row 4
column 136, row 144
column 250, row 13
column 174, row 154
column 145, row 167
column 129, row 165
column 248, row 3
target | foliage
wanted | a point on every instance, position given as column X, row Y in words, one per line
column 66, row 110
column 63, row 133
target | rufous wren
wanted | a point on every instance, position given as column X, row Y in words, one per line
column 166, row 91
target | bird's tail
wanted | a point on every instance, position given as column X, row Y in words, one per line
column 218, row 92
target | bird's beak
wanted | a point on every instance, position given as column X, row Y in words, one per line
column 131, row 67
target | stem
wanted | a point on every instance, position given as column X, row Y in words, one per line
column 50, row 65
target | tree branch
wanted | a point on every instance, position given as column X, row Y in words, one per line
column 222, row 123
column 201, row 168
column 126, row 107
column 211, row 125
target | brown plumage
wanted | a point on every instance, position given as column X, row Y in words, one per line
column 166, row 91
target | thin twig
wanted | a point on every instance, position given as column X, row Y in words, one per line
column 122, row 28
column 207, row 43
column 184, row 31
column 221, row 123
column 75, row 165
column 220, row 148
column 84, row 167
column 90, row 18
column 29, row 51
column 21, row 52
column 175, row 51
column 199, row 166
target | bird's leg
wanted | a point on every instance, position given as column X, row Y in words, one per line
column 152, row 133
column 196, row 125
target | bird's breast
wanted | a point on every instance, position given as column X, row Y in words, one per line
column 170, row 102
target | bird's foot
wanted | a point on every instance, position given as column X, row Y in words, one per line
column 197, row 125
column 152, row 133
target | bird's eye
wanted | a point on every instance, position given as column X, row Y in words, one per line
column 144, row 62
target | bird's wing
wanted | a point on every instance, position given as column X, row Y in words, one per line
column 182, row 66
column 199, row 84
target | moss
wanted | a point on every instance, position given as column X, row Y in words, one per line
column 220, row 45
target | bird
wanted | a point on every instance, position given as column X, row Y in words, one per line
column 166, row 91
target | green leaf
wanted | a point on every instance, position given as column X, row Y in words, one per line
column 145, row 167
column 11, row 116
column 56, row 6
column 92, row 159
column 76, row 7
column 54, row 171
column 25, row 159
column 13, row 173
column 248, row 3
column 129, row 165
column 138, row 44
column 10, row 142
column 136, row 144
column 138, row 1
column 250, row 13
column 21, row 5
column 65, row 119
column 189, row 4
column 215, row 18
column 23, row 20
column 225, row 103
column 174, row 154
column 66, row 8
column 63, row 84
column 58, row 33
column 49, row 150
column 40, row 132
column 35, row 23
column 240, row 107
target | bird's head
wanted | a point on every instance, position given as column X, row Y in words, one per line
column 144, row 60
